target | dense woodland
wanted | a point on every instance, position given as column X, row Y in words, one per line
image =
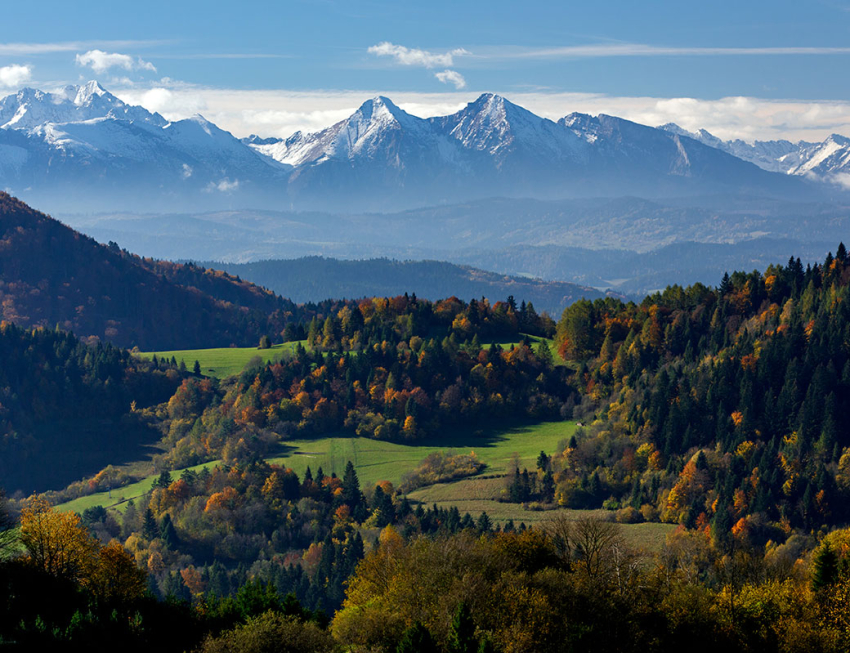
column 716, row 409
column 721, row 409
column 425, row 581
column 391, row 369
column 51, row 275
column 55, row 390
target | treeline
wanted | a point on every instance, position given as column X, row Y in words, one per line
column 312, row 278
column 391, row 369
column 579, row 586
column 432, row 582
column 52, row 275
column 211, row 532
column 717, row 408
column 49, row 377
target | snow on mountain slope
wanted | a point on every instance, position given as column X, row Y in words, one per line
column 378, row 124
column 82, row 144
column 827, row 161
column 832, row 157
column 496, row 126
column 490, row 125
column 82, row 139
column 30, row 108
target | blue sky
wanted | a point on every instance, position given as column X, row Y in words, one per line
column 309, row 62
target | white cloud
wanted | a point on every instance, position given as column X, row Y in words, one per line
column 451, row 77
column 415, row 57
column 842, row 179
column 172, row 104
column 100, row 61
column 282, row 112
column 643, row 50
column 17, row 49
column 187, row 171
column 223, row 186
column 14, row 75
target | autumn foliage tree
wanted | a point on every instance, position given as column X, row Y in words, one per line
column 716, row 408
column 8, row 534
column 57, row 542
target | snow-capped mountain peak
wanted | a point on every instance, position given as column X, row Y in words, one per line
column 495, row 125
column 30, row 108
column 376, row 123
column 83, row 138
column 380, row 109
column 828, row 160
column 87, row 92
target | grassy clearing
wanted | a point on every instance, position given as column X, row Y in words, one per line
column 225, row 361
column 119, row 497
column 477, row 495
column 388, row 461
column 556, row 358
column 379, row 461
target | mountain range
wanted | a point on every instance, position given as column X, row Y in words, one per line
column 314, row 278
column 382, row 158
column 81, row 148
column 828, row 160
column 628, row 244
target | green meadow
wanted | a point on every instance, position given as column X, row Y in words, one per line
column 225, row 361
column 376, row 460
column 119, row 497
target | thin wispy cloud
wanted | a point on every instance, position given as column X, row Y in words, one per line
column 226, row 55
column 100, row 61
column 416, row 57
column 23, row 49
column 643, row 50
column 451, row 77
column 14, row 75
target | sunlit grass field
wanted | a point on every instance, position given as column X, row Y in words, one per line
column 225, row 361
column 389, row 461
column 377, row 461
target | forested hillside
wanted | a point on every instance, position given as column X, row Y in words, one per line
column 66, row 407
column 391, row 369
column 51, row 275
column 313, row 278
column 721, row 409
column 718, row 409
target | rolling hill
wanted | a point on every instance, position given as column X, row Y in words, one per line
column 51, row 275
column 313, row 278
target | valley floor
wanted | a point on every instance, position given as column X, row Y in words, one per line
column 377, row 461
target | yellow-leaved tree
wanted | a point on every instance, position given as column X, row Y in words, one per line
column 57, row 542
